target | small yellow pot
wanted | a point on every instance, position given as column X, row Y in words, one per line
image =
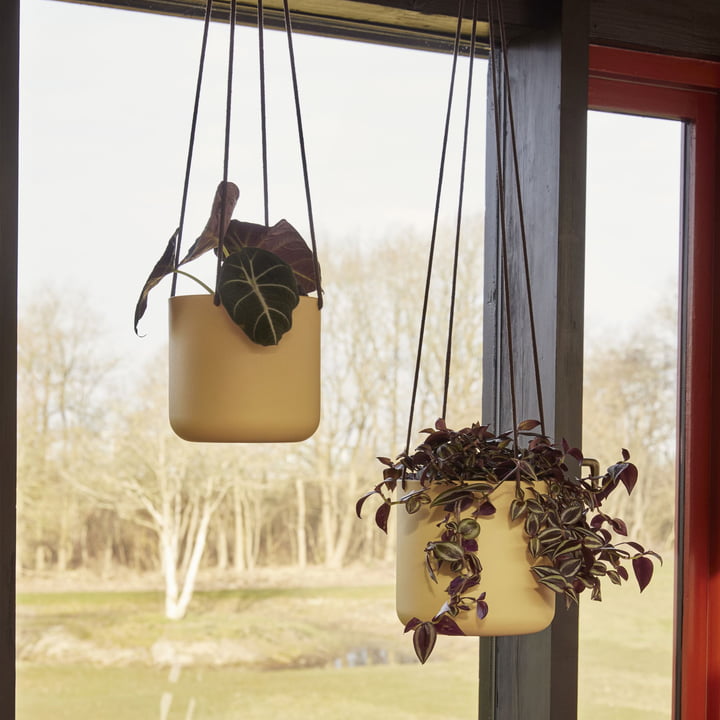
column 226, row 388
column 517, row 603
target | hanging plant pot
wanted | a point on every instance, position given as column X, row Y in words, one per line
column 518, row 603
column 226, row 388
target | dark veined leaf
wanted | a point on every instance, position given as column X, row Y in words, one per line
column 429, row 568
column 549, row 577
column 164, row 266
column 259, row 291
column 424, row 638
column 643, row 569
column 450, row 496
column 517, row 509
column 572, row 514
column 534, row 547
column 570, row 568
column 550, row 535
column 447, row 551
column 469, row 528
column 381, row 516
column 283, row 240
column 566, row 547
column 532, row 525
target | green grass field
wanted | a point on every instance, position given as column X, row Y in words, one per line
column 293, row 654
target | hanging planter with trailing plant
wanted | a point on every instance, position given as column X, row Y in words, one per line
column 492, row 527
column 244, row 358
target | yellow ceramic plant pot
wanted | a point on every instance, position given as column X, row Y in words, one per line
column 226, row 388
column 517, row 603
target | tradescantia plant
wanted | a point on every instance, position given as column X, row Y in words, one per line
column 264, row 270
column 571, row 539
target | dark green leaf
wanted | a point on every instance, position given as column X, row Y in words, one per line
column 469, row 528
column 517, row 509
column 259, row 291
column 450, row 496
column 283, row 240
column 448, row 551
column 572, row 514
column 532, row 525
column 550, row 577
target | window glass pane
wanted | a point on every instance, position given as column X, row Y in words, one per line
column 293, row 606
column 630, row 392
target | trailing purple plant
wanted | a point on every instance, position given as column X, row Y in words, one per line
column 571, row 539
column 263, row 270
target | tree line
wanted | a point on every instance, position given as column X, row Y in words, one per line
column 104, row 484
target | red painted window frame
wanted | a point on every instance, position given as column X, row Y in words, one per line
column 689, row 90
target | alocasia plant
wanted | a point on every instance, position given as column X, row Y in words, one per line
column 264, row 270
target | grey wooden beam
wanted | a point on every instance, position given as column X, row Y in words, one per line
column 534, row 677
column 9, row 65
column 689, row 28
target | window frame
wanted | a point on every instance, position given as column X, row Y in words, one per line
column 688, row 90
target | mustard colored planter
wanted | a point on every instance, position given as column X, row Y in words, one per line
column 226, row 388
column 517, row 603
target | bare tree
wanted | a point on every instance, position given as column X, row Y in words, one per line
column 63, row 378
column 172, row 487
column 629, row 401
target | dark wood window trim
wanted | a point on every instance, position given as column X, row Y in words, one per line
column 689, row 90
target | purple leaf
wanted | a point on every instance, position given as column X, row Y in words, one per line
column 482, row 608
column 628, row 476
column 575, row 453
column 412, row 624
column 209, row 238
column 643, row 569
column 619, row 526
column 283, row 240
column 447, row 626
column 381, row 516
column 361, row 501
column 625, row 455
column 164, row 266
column 485, row 510
column 424, row 639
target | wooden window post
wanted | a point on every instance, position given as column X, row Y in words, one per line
column 534, row 677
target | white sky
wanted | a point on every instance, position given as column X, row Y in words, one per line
column 106, row 98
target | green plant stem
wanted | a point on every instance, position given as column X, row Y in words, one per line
column 197, row 280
